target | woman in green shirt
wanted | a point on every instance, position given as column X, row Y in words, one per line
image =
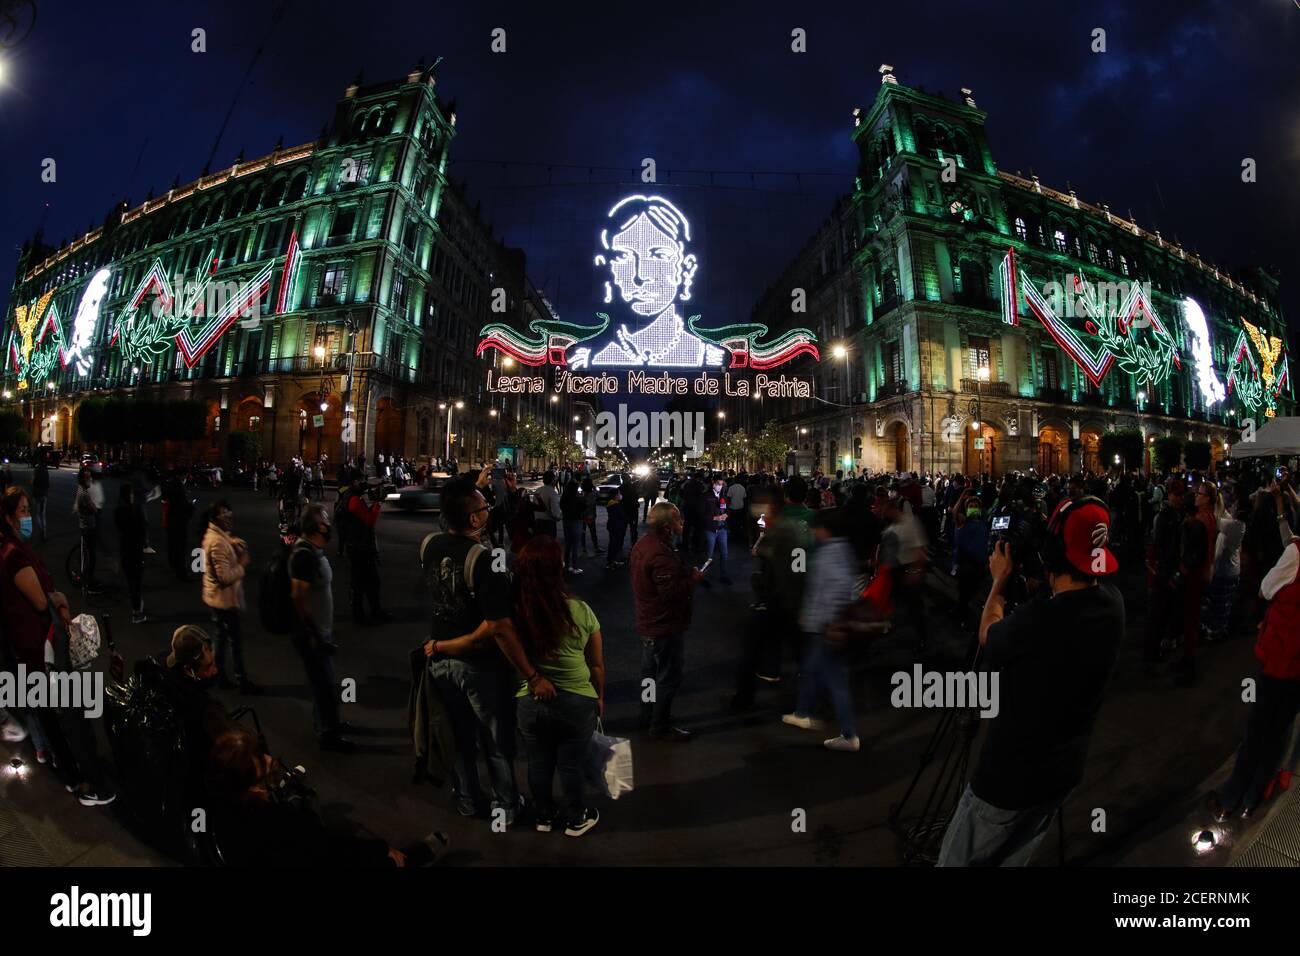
column 562, row 638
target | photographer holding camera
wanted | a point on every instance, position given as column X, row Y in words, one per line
column 1054, row 657
column 356, row 513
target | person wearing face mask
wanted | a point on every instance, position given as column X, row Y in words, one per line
column 713, row 524
column 31, row 610
column 225, row 564
column 312, row 581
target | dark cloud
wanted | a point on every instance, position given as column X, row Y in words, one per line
column 1159, row 123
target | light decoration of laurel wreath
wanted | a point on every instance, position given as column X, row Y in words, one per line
column 1151, row 361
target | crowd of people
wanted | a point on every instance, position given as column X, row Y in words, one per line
column 512, row 654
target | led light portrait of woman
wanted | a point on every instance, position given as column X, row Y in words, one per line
column 650, row 269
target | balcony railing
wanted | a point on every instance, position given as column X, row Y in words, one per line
column 993, row 389
column 1058, row 395
column 890, row 389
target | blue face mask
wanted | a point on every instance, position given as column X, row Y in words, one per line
column 25, row 528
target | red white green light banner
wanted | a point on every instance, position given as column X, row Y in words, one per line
column 1259, row 381
column 36, row 343
column 145, row 331
column 1111, row 337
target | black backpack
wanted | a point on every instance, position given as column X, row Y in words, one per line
column 275, row 593
column 448, row 585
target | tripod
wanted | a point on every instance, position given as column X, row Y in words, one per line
column 953, row 736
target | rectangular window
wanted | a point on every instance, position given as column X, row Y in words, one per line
column 344, row 220
column 335, row 280
column 893, row 357
column 978, row 354
column 1051, row 370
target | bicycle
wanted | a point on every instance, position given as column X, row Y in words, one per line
column 72, row 566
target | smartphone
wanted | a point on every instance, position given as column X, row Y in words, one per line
column 762, row 521
column 498, row 471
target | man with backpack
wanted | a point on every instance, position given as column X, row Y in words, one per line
column 474, row 650
column 355, row 520
column 312, row 593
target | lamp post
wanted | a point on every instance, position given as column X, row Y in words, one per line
column 350, row 323
column 981, row 376
column 450, row 406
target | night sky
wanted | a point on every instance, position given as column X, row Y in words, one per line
column 1159, row 124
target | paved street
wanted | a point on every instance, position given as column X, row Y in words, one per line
column 725, row 798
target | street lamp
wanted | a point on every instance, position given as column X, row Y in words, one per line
column 981, row 376
column 450, row 408
column 1142, row 397
column 320, row 354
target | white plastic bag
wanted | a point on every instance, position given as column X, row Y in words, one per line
column 83, row 641
column 609, row 764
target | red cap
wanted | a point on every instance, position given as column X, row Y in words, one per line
column 1087, row 536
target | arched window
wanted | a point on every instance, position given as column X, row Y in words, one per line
column 1094, row 254
column 1021, row 232
column 275, row 195
column 961, row 142
column 1123, row 263
column 1058, row 240
column 216, row 212
column 297, row 186
column 254, row 200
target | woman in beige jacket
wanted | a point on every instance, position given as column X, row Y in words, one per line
column 225, row 562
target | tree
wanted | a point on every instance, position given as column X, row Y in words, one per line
column 1127, row 443
column 245, row 446
column 1197, row 455
column 1166, row 453
column 11, row 423
column 530, row 436
column 771, row 446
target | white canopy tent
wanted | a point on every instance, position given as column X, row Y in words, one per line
column 1277, row 436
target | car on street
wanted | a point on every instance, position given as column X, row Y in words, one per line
column 425, row 497
column 607, row 485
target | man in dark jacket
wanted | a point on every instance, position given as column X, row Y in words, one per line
column 180, row 508
column 662, row 590
column 631, row 500
column 692, row 491
column 1166, row 617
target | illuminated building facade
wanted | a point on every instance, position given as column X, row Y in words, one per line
column 334, row 284
column 977, row 321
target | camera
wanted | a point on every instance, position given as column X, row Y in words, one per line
column 498, row 471
column 1023, row 529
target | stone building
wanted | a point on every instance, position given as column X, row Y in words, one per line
column 340, row 282
column 976, row 320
